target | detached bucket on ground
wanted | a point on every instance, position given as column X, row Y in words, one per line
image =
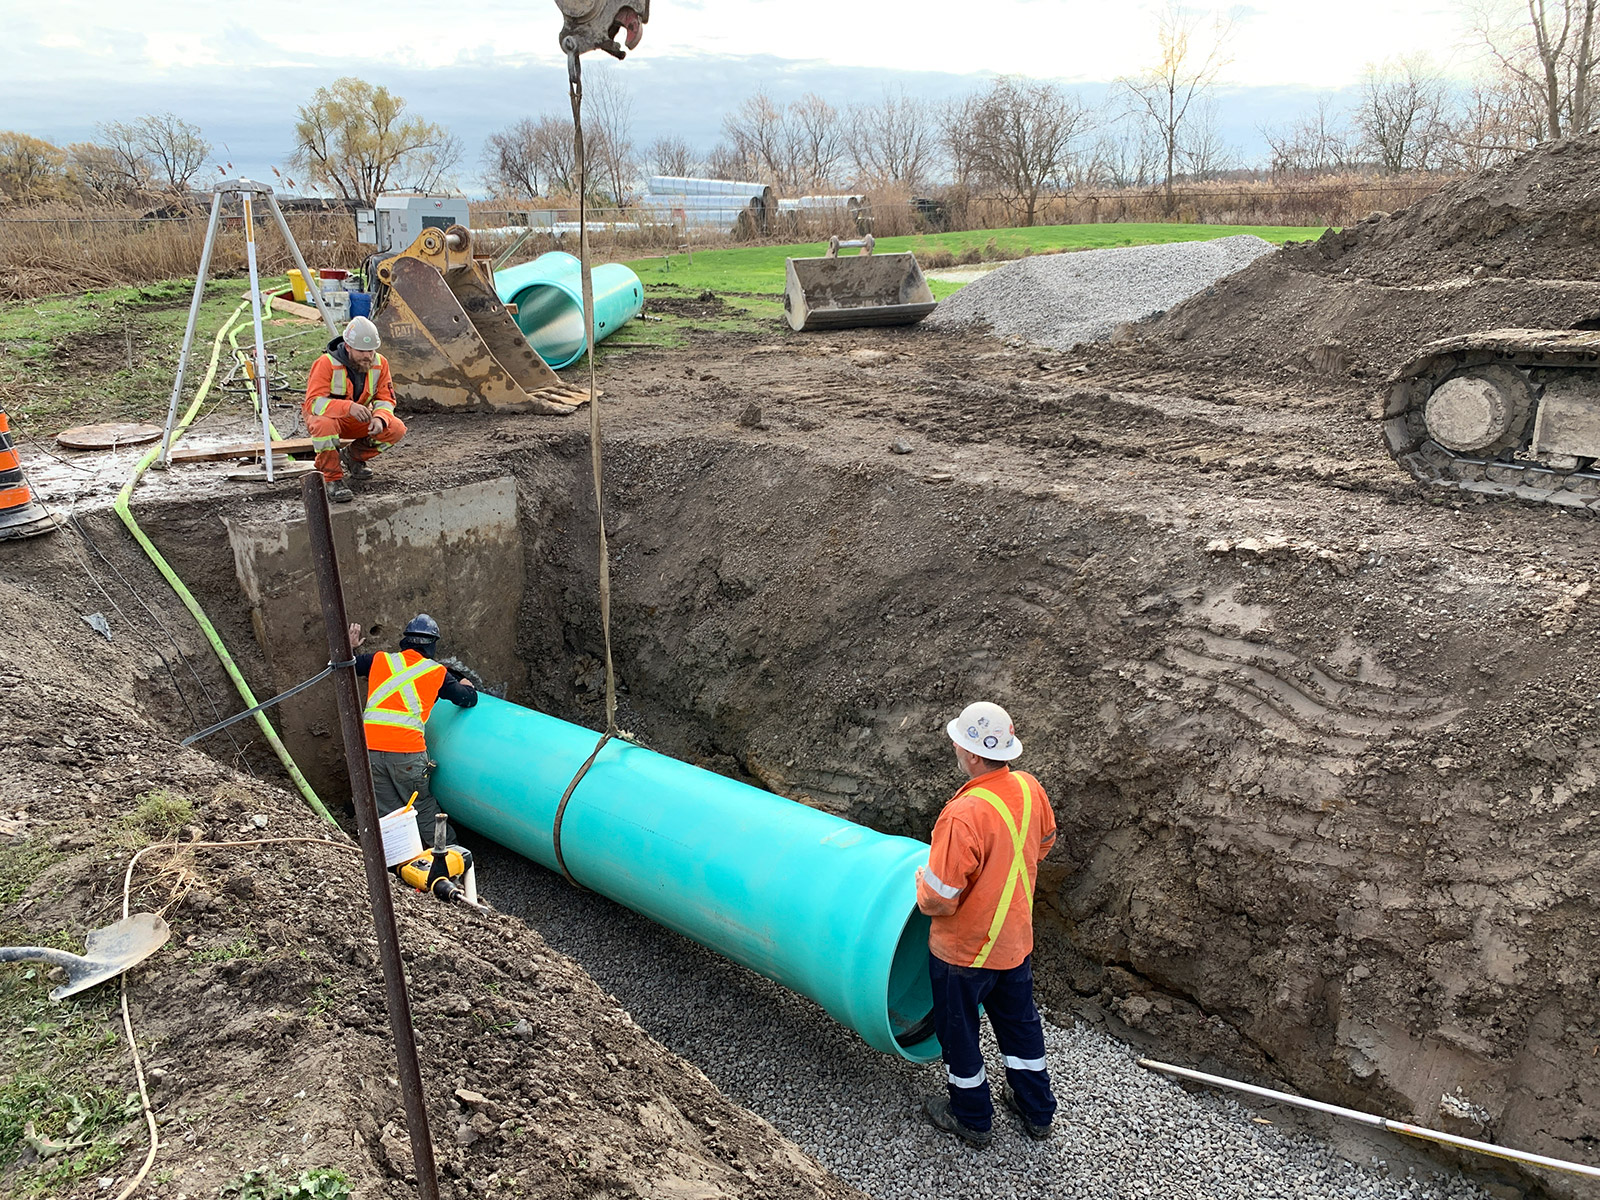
column 548, row 293
column 825, row 907
column 847, row 293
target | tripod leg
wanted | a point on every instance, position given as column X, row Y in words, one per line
column 188, row 332
column 262, row 391
column 294, row 250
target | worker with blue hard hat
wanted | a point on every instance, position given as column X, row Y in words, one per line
column 402, row 688
column 978, row 888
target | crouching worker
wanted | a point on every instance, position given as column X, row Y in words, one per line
column 350, row 394
column 402, row 689
column 978, row 888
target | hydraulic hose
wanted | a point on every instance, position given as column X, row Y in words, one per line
column 300, row 782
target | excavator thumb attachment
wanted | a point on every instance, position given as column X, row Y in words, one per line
column 451, row 344
column 846, row 293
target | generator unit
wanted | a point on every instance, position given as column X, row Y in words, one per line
column 398, row 221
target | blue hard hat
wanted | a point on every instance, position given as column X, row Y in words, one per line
column 422, row 627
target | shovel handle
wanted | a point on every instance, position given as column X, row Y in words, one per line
column 49, row 954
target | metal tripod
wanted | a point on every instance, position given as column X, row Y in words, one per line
column 248, row 190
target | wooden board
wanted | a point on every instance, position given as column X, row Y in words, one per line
column 287, row 306
column 108, row 435
column 241, row 450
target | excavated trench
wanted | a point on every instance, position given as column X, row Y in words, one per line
column 1296, row 847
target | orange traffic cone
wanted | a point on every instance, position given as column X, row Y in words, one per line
column 20, row 517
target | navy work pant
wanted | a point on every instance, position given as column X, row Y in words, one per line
column 1007, row 996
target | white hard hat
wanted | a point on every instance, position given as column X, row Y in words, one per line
column 361, row 334
column 985, row 729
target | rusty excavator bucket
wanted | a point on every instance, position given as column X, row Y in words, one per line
column 451, row 344
column 847, row 293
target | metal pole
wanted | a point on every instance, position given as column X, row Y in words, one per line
column 300, row 264
column 263, row 393
column 188, row 333
column 1351, row 1114
column 319, row 523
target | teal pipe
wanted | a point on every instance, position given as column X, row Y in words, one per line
column 548, row 293
column 821, row 905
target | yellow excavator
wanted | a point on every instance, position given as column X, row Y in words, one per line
column 450, row 341
column 1509, row 412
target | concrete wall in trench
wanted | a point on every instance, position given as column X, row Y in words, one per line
column 455, row 554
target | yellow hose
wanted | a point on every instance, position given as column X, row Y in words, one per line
column 184, row 594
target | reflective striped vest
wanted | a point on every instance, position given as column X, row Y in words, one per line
column 978, row 884
column 401, row 692
column 339, row 386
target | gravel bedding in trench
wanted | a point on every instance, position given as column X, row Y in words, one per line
column 1121, row 1130
column 1062, row 300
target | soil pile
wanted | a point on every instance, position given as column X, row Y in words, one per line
column 1511, row 247
column 1061, row 300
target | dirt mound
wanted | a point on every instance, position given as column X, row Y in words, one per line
column 1514, row 246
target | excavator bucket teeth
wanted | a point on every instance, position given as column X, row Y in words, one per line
column 451, row 344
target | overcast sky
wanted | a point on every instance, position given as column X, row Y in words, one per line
column 240, row 71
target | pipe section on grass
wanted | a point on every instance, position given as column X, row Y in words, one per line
column 823, row 906
column 548, row 293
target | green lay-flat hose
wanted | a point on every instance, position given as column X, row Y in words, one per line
column 184, row 594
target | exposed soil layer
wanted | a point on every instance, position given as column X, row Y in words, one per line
column 1515, row 246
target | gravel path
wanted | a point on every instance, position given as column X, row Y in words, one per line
column 1062, row 299
column 1121, row 1131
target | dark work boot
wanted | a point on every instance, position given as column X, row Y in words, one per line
column 1037, row 1132
column 354, row 468
column 339, row 492
column 937, row 1110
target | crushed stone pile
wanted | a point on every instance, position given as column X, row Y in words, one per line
column 1120, row 1130
column 1062, row 300
column 1510, row 247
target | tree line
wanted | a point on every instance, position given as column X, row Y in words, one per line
column 1014, row 138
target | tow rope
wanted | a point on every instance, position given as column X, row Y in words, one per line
column 575, row 88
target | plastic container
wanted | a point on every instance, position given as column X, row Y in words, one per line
column 822, row 906
column 332, row 275
column 297, row 285
column 337, row 302
column 548, row 293
column 360, row 304
column 402, row 840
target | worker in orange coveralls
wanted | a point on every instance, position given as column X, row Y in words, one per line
column 351, row 395
column 978, row 888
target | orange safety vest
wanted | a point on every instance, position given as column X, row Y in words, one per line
column 339, row 386
column 978, row 884
column 401, row 692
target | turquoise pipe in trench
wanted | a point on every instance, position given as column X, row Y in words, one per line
column 825, row 907
column 548, row 293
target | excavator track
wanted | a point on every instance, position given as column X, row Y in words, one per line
column 1508, row 412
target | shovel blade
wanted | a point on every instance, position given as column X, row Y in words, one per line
column 111, row 951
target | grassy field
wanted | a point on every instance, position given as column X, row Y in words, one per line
column 759, row 270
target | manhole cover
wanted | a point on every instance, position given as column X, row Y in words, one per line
column 108, row 435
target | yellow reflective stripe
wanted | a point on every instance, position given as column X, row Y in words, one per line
column 341, row 382
column 1019, row 862
column 401, row 682
column 325, row 443
column 372, row 384
column 319, row 407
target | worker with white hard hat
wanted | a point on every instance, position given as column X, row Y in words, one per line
column 978, row 888
column 351, row 395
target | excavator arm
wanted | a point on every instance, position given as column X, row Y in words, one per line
column 594, row 24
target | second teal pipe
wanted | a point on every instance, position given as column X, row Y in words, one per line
column 825, row 907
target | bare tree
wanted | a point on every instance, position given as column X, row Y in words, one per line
column 355, row 139
column 1488, row 127
column 511, row 161
column 727, row 162
column 1016, row 138
column 1316, row 144
column 175, row 150
column 1547, row 50
column 817, row 143
column 1185, row 69
column 756, row 137
column 1126, row 155
column 1205, row 155
column 672, row 156
column 892, row 142
column 1402, row 115
column 124, row 142
column 611, row 162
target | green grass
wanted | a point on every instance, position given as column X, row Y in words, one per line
column 759, row 270
column 64, row 360
column 238, row 948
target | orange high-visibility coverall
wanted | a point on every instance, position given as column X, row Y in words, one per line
column 329, row 395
